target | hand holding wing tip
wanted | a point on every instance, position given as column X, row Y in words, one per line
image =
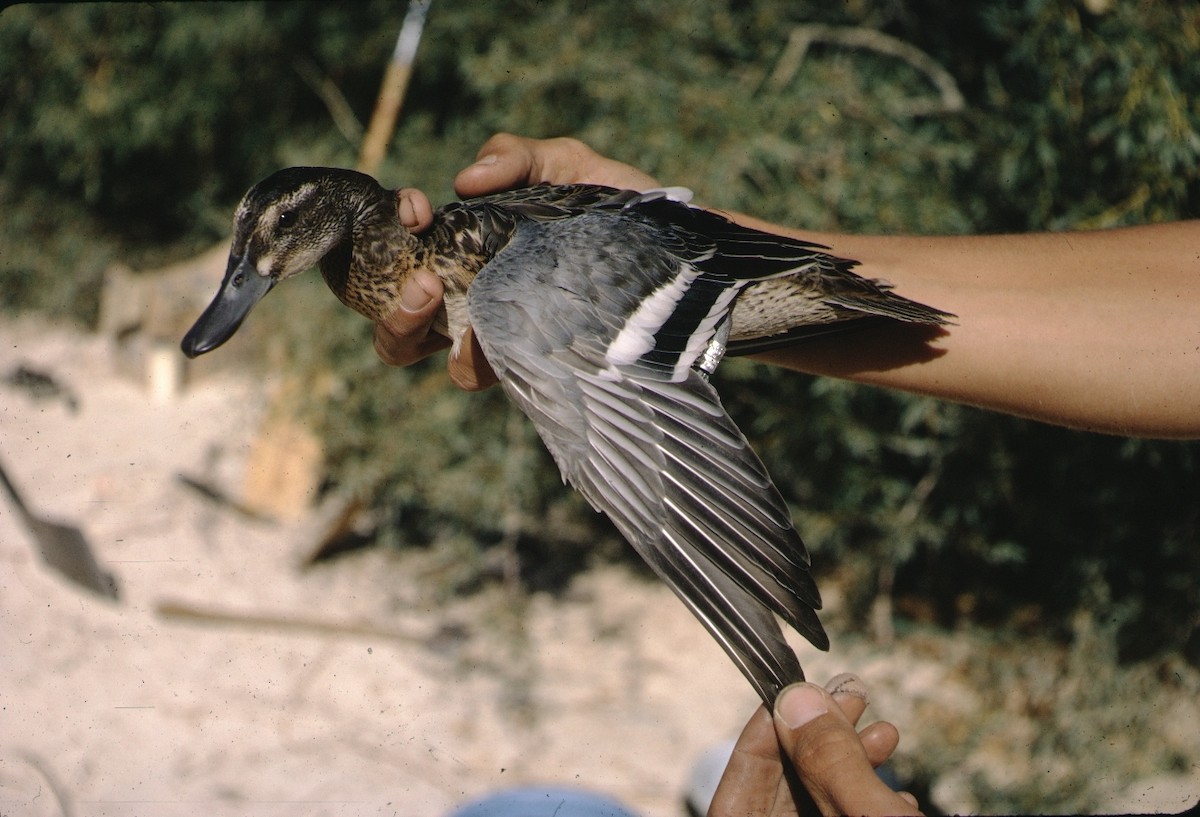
column 810, row 741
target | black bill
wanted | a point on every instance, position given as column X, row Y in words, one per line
column 242, row 288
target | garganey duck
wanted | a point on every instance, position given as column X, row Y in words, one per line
column 602, row 312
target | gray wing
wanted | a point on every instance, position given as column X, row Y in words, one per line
column 659, row 455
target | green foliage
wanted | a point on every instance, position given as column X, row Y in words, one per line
column 130, row 127
column 1080, row 120
column 130, row 131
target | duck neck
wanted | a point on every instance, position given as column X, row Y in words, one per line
column 361, row 268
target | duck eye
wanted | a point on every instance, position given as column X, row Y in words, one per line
column 287, row 218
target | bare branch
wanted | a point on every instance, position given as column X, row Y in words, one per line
column 335, row 102
column 870, row 40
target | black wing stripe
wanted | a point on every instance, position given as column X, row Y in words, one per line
column 736, row 251
column 681, row 338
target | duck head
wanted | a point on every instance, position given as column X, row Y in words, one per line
column 287, row 223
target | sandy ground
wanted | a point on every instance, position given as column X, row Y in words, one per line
column 131, row 712
column 384, row 701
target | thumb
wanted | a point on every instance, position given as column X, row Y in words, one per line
column 828, row 755
column 504, row 162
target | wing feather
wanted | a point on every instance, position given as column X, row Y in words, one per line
column 661, row 458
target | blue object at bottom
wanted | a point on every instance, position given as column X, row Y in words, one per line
column 543, row 802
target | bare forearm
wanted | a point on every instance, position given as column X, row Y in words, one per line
column 1095, row 330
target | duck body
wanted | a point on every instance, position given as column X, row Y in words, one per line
column 602, row 312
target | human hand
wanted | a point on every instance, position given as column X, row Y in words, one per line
column 505, row 161
column 407, row 335
column 814, row 728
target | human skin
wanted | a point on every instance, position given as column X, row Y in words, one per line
column 806, row 758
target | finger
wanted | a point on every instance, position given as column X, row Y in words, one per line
column 829, row 758
column 505, row 161
column 753, row 778
column 879, row 740
column 850, row 694
column 469, row 369
column 566, row 161
column 416, row 213
column 398, row 351
column 406, row 335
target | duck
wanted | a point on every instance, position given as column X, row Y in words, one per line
column 603, row 313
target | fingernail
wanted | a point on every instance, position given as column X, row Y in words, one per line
column 408, row 213
column 847, row 683
column 490, row 159
column 799, row 704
